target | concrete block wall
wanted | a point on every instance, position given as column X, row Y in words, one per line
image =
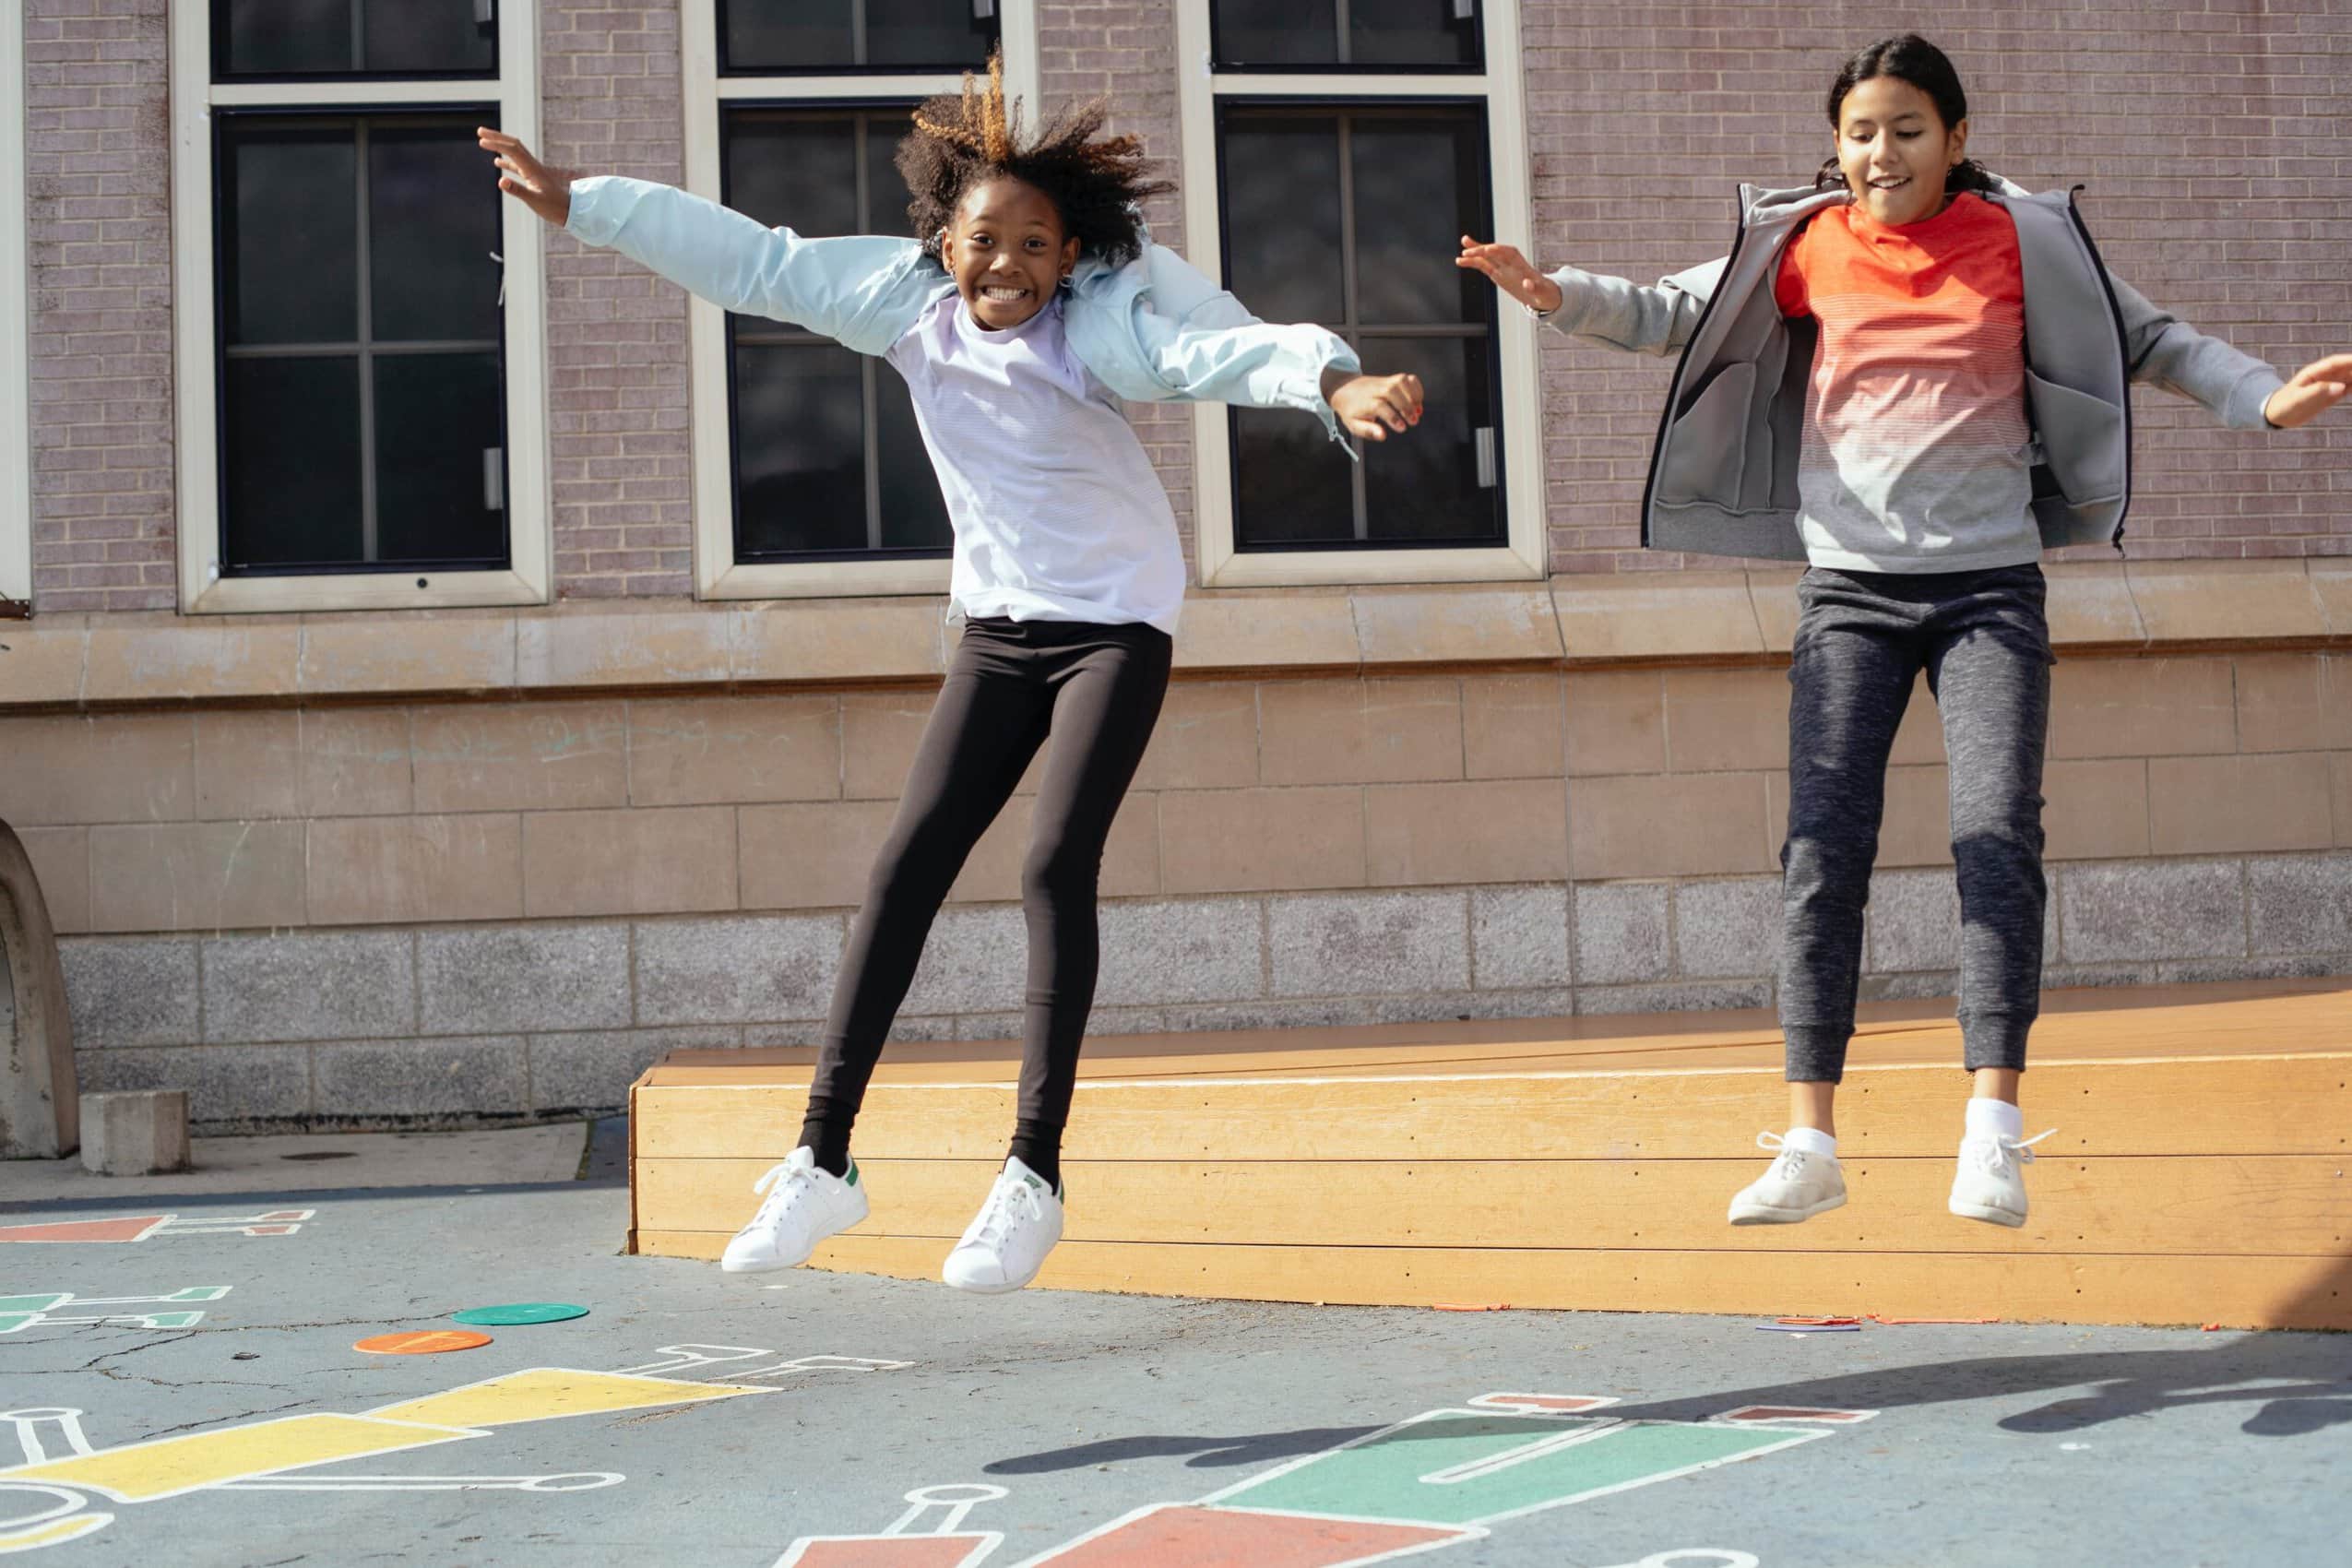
column 466, row 910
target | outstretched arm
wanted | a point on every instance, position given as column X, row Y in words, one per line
column 1599, row 309
column 862, row 292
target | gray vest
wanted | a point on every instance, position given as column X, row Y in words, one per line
column 1723, row 474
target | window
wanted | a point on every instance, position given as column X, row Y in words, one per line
column 16, row 409
column 362, row 409
column 810, row 476
column 1334, row 153
column 828, row 464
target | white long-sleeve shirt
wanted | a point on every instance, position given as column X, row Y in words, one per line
column 1058, row 513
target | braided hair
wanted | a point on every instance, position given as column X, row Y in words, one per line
column 1908, row 57
column 961, row 141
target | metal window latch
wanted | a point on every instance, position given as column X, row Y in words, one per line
column 501, row 278
column 1464, row 9
column 983, row 9
column 493, row 479
column 486, row 12
column 1482, row 441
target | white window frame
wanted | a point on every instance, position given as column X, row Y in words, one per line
column 1200, row 86
column 203, row 590
column 717, row 573
column 15, row 290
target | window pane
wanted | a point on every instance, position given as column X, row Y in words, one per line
column 438, row 440
column 799, row 450
column 429, row 36
column 1292, row 485
column 1258, row 34
column 796, row 171
column 433, row 223
column 900, row 33
column 914, row 515
column 1420, row 185
column 260, row 38
column 274, row 38
column 1282, row 214
column 1384, row 33
column 1377, row 34
column 1424, row 485
column 290, row 433
column 289, row 232
column 756, row 36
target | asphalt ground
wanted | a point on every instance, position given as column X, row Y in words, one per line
column 178, row 1385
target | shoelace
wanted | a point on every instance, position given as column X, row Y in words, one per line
column 1994, row 1154
column 1790, row 1164
column 784, row 1185
column 1009, row 1202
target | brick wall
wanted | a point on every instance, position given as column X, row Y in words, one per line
column 99, row 233
column 1127, row 49
column 2201, row 130
column 2205, row 136
column 618, row 396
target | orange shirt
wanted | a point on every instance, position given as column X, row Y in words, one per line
column 1915, row 454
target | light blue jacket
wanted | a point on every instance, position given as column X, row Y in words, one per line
column 1153, row 330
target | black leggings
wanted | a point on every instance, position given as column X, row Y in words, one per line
column 1096, row 690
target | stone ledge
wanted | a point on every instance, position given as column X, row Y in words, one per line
column 1627, row 620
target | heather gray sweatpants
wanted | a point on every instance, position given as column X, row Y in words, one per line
column 1862, row 637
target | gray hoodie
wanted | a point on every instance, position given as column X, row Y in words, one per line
column 1723, row 474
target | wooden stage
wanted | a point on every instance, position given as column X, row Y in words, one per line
column 2198, row 1174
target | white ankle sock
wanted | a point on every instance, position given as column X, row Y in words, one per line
column 1809, row 1140
column 1995, row 1118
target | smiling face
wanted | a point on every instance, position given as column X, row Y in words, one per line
column 1895, row 149
column 1006, row 251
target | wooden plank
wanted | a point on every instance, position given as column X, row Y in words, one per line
column 2277, row 1105
column 2255, row 1018
column 2294, row 1206
column 2234, row 1294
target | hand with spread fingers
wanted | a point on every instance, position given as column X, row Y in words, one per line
column 545, row 191
column 1371, row 405
column 2311, row 392
column 1511, row 272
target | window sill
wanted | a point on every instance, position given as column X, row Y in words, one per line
column 1719, row 618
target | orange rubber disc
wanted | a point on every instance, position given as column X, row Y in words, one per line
column 422, row 1342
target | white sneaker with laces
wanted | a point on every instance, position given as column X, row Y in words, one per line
column 804, row 1204
column 1007, row 1243
column 1990, row 1183
column 1797, row 1186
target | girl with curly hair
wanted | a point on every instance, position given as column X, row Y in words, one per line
column 1033, row 302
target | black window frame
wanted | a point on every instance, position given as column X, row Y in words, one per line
column 1353, row 332
column 217, row 55
column 1220, row 66
column 220, row 121
column 781, row 334
column 727, row 70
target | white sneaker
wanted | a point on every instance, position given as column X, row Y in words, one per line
column 1990, row 1183
column 1007, row 1244
column 1797, row 1186
column 805, row 1203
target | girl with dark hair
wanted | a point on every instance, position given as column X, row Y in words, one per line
column 1914, row 377
column 1033, row 301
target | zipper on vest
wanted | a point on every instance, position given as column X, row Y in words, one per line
column 1674, row 388
column 2123, row 355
